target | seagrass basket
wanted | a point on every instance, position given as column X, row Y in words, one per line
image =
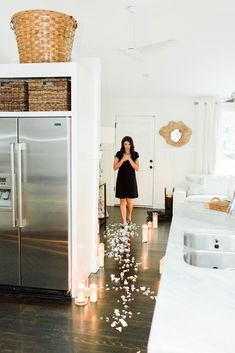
column 13, row 96
column 43, row 35
column 49, row 94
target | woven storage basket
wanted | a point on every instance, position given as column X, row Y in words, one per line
column 217, row 205
column 43, row 36
column 13, row 95
column 52, row 94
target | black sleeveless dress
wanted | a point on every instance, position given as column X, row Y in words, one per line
column 126, row 185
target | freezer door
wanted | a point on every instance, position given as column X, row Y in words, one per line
column 44, row 156
column 9, row 241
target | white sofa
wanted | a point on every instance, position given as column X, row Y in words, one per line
column 202, row 188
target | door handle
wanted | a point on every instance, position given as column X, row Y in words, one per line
column 13, row 208
column 20, row 148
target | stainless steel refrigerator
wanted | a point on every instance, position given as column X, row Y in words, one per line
column 34, row 204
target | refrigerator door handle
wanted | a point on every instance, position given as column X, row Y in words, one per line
column 13, row 206
column 20, row 148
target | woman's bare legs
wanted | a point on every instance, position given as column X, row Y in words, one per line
column 123, row 210
column 130, row 208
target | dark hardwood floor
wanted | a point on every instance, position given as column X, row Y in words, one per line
column 125, row 304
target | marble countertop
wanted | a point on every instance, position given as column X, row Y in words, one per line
column 195, row 306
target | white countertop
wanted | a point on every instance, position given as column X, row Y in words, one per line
column 195, row 307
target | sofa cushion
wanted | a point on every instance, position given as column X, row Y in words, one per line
column 216, row 184
column 195, row 184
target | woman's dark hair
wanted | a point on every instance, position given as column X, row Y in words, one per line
column 132, row 149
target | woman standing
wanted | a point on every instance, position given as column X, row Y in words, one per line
column 127, row 162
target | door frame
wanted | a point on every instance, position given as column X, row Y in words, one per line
column 154, row 116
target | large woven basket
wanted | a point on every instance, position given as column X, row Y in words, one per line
column 43, row 35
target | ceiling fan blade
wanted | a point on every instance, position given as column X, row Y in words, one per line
column 132, row 54
column 131, row 11
column 107, row 50
column 156, row 45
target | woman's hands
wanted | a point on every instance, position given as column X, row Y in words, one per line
column 126, row 157
column 135, row 165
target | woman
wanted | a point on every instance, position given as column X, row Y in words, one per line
column 127, row 162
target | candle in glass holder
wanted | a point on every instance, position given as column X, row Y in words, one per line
column 155, row 220
column 144, row 233
column 93, row 292
column 81, row 298
column 101, row 254
column 150, row 233
column 161, row 264
column 87, row 291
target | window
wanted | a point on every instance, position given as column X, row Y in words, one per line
column 226, row 152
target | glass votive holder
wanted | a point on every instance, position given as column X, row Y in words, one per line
column 144, row 233
column 155, row 220
column 101, row 254
column 161, row 264
column 93, row 292
column 81, row 292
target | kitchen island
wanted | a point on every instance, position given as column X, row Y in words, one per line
column 195, row 307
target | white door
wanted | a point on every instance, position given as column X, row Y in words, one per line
column 141, row 129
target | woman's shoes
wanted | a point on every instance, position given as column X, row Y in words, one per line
column 129, row 222
column 124, row 226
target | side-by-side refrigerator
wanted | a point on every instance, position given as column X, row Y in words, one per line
column 34, row 204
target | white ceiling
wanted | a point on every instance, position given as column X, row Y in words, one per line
column 200, row 63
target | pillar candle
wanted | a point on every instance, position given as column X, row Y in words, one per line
column 161, row 265
column 93, row 293
column 155, row 220
column 80, row 298
column 87, row 291
column 144, row 233
column 150, row 224
column 150, row 233
column 101, row 254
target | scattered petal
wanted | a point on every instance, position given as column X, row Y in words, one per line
column 118, row 247
column 119, row 329
column 123, row 322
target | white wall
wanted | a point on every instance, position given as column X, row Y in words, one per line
column 171, row 163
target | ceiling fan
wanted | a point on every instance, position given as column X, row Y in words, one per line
column 136, row 52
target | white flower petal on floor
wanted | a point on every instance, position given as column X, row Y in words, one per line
column 118, row 247
column 119, row 329
column 123, row 322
